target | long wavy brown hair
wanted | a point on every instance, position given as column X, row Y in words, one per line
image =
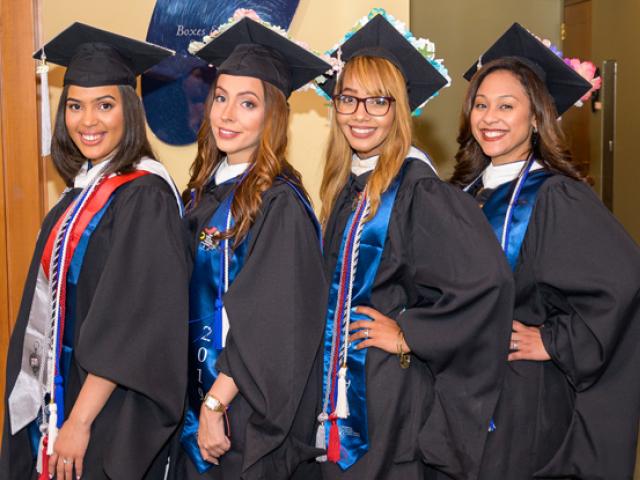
column 549, row 144
column 268, row 162
column 378, row 77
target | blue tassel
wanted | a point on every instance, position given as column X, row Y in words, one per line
column 217, row 322
column 492, row 426
column 59, row 397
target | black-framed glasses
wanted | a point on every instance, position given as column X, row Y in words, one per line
column 374, row 106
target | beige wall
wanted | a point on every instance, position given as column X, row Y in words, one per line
column 615, row 35
column 462, row 30
column 319, row 23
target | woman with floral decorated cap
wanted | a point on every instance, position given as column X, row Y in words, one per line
column 256, row 294
column 418, row 309
column 571, row 397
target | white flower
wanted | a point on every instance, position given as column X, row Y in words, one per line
column 195, row 47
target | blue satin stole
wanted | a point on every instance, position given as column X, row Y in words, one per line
column 206, row 292
column 353, row 430
column 496, row 207
column 205, row 320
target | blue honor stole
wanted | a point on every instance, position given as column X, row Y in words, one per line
column 509, row 210
column 343, row 429
column 215, row 268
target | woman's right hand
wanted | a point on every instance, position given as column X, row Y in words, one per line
column 212, row 440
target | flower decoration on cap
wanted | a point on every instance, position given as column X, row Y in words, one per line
column 423, row 46
column 585, row 69
column 241, row 13
column 195, row 46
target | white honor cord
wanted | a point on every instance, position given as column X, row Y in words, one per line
column 354, row 267
column 60, row 249
column 354, row 263
column 225, row 257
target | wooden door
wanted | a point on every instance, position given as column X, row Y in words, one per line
column 576, row 43
column 21, row 192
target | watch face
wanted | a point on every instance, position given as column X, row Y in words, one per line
column 214, row 404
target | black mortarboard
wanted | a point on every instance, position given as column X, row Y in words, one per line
column 565, row 85
column 95, row 57
column 378, row 38
column 250, row 49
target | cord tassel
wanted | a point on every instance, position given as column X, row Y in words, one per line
column 342, row 404
column 53, row 428
column 333, row 452
column 43, row 459
column 321, row 438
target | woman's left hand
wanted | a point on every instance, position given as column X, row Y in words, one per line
column 69, row 450
column 526, row 344
column 381, row 332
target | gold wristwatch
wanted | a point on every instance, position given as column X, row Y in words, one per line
column 213, row 404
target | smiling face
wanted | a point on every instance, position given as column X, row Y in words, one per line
column 94, row 118
column 365, row 133
column 237, row 116
column 501, row 119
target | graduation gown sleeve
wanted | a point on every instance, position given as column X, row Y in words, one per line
column 134, row 331
column 587, row 280
column 461, row 329
column 275, row 307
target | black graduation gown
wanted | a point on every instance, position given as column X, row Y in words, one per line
column 131, row 328
column 275, row 307
column 441, row 261
column 578, row 278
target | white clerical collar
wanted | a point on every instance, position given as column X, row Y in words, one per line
column 89, row 172
column 364, row 165
column 227, row 171
column 495, row 175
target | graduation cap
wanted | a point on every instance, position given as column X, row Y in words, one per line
column 565, row 85
column 95, row 57
column 379, row 38
column 250, row 49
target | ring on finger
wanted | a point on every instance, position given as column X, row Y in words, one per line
column 366, row 333
column 514, row 345
column 66, row 461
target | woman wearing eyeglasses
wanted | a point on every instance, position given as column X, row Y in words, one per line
column 418, row 311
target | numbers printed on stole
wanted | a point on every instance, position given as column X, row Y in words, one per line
column 202, row 356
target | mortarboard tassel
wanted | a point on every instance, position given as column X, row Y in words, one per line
column 45, row 108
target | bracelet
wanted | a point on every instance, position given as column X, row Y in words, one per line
column 405, row 358
column 215, row 405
